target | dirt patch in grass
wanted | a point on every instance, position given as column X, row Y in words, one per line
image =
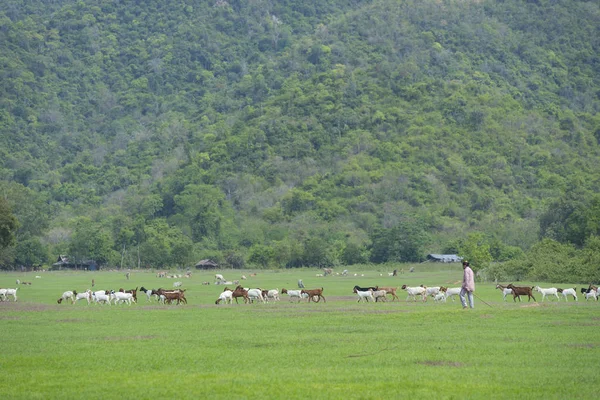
column 71, row 320
column 439, row 363
column 486, row 316
column 128, row 338
column 18, row 306
column 584, row 345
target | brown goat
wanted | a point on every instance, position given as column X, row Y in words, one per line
column 519, row 291
column 314, row 293
column 239, row 291
column 392, row 291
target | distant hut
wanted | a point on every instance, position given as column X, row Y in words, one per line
column 64, row 262
column 206, row 264
column 445, row 258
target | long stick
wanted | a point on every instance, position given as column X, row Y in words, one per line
column 479, row 298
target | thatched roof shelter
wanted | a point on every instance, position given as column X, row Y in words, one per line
column 206, row 264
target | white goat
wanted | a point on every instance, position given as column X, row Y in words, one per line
column 440, row 297
column 452, row 292
column 294, row 294
column 219, row 278
column 505, row 291
column 548, row 292
column 101, row 297
column 120, row 297
column 273, row 294
column 591, row 294
column 225, row 297
column 87, row 295
column 255, row 294
column 570, row 291
column 366, row 295
column 9, row 292
column 414, row 292
column 432, row 290
column 177, row 284
column 68, row 295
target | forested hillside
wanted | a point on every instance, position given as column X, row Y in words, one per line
column 299, row 133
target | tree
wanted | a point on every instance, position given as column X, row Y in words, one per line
column 8, row 225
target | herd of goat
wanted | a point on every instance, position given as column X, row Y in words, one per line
column 249, row 295
column 123, row 296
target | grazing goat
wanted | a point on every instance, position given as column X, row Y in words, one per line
column 68, row 295
column 390, row 290
column 570, row 291
column 505, row 290
column 219, row 278
column 225, row 297
column 519, row 291
column 414, row 292
column 314, row 293
column 548, row 292
column 364, row 295
column 450, row 292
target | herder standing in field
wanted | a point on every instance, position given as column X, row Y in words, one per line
column 468, row 285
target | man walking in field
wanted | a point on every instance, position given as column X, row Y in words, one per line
column 468, row 286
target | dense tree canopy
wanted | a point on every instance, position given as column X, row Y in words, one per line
column 298, row 133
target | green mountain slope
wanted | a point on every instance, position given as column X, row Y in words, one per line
column 297, row 133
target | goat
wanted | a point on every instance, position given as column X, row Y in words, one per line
column 548, row 292
column 219, row 278
column 255, row 294
column 414, row 291
column 170, row 295
column 390, row 290
column 149, row 293
column 440, row 297
column 431, row 290
column 225, row 297
column 273, row 294
column 8, row 292
column 380, row 295
column 121, row 297
column 570, row 291
column 364, row 295
column 101, row 297
column 87, row 295
column 364, row 289
column 69, row 294
column 505, row 290
column 294, row 294
column 177, row 284
column 591, row 293
column 518, row 291
column 450, row 292
column 314, row 293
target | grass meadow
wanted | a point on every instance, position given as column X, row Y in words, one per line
column 340, row 349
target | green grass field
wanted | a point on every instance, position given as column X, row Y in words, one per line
column 340, row 349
